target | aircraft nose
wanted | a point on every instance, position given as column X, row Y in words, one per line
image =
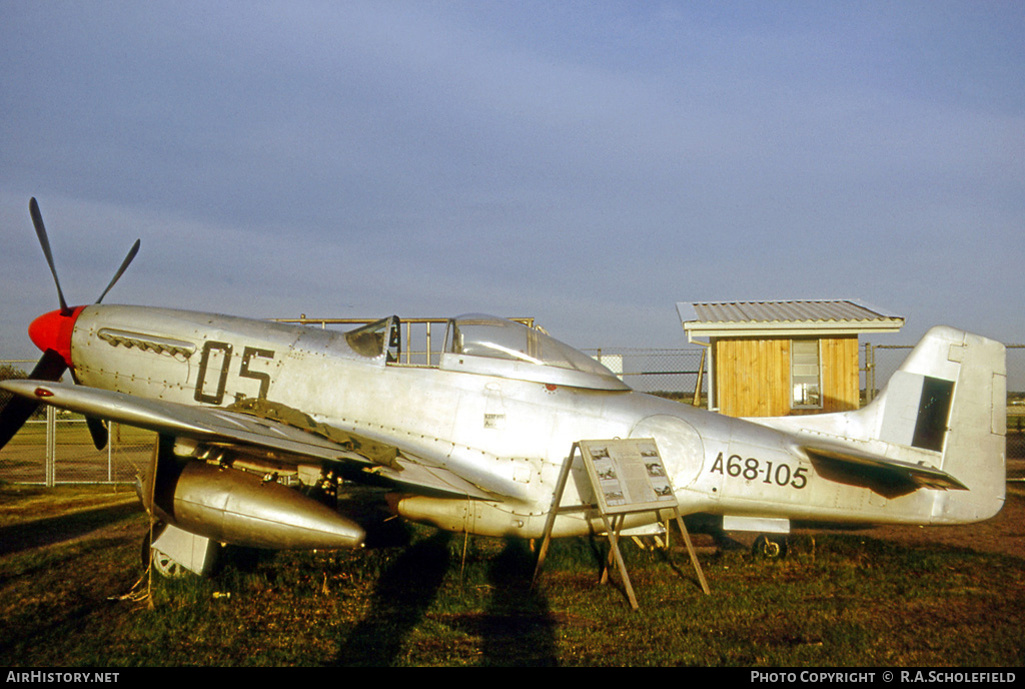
column 53, row 331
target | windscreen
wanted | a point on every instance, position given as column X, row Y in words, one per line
column 497, row 338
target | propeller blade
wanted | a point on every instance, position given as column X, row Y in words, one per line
column 37, row 220
column 120, row 271
column 98, row 430
column 14, row 415
column 52, row 366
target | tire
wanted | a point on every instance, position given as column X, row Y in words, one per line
column 770, row 547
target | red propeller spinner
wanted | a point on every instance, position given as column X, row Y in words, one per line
column 52, row 331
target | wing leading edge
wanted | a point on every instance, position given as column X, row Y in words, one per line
column 263, row 427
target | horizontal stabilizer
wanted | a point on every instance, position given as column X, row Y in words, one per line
column 889, row 471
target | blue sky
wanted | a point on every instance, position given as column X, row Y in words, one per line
column 586, row 163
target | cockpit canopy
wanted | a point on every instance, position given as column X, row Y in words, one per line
column 492, row 346
column 495, row 346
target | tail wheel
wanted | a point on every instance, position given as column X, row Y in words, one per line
column 770, row 547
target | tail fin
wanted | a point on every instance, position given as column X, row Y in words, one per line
column 932, row 444
column 949, row 397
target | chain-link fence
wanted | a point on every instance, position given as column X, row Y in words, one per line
column 676, row 373
column 55, row 447
column 58, row 448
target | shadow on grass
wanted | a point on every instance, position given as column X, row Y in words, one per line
column 44, row 532
column 403, row 594
column 518, row 629
column 515, row 628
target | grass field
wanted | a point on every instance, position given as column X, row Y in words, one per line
column 69, row 559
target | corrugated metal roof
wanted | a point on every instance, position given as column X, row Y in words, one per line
column 775, row 317
column 789, row 311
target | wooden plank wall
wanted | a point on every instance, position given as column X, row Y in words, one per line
column 840, row 382
column 753, row 376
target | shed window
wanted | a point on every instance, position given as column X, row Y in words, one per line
column 805, row 375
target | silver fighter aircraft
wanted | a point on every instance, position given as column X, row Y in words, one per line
column 244, row 409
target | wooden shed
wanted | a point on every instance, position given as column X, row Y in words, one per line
column 775, row 358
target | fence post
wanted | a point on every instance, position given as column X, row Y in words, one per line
column 697, row 386
column 50, row 461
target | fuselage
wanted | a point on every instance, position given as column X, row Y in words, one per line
column 507, row 430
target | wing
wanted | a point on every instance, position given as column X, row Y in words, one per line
column 264, row 428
